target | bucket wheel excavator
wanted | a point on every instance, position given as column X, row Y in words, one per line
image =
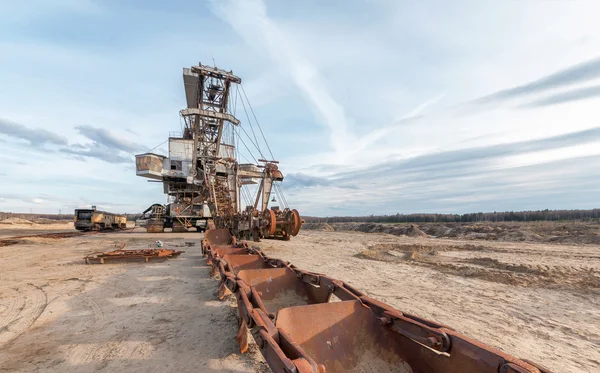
column 205, row 183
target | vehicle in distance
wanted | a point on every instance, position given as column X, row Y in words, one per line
column 94, row 220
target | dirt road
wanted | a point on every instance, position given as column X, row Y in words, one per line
column 536, row 301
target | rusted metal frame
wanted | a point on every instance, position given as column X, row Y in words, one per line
column 337, row 287
column 226, row 279
column 262, row 321
column 227, row 267
column 266, row 336
column 304, row 366
column 434, row 339
column 258, row 194
column 273, row 341
column 395, row 320
column 209, row 260
column 470, row 348
column 214, row 247
column 274, row 356
column 252, row 299
column 146, row 254
column 244, row 304
column 278, row 349
column 343, row 290
column 219, row 252
column 239, row 245
column 214, row 72
column 249, row 300
column 305, row 276
column 226, row 272
column 223, row 264
column 253, row 296
column 379, row 306
column 294, row 352
column 256, row 301
column 223, row 268
column 275, row 263
column 208, row 252
column 253, row 251
column 216, row 265
column 269, row 261
column 230, row 282
column 210, row 114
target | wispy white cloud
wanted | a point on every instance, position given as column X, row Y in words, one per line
column 35, row 136
column 413, row 116
column 250, row 20
column 579, row 73
column 105, row 138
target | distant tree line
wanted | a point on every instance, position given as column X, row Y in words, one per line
column 539, row 215
column 32, row 217
column 8, row 215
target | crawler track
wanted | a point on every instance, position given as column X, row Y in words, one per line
column 299, row 326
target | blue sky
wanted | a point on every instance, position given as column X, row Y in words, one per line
column 371, row 106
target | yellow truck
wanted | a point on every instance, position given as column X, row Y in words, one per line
column 93, row 220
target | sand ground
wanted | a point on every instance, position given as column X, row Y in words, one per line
column 536, row 301
column 58, row 314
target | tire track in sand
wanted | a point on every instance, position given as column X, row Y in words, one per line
column 25, row 307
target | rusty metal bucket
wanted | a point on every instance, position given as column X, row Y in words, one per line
column 348, row 337
column 280, row 288
column 222, row 250
column 237, row 262
column 218, row 243
column 218, row 237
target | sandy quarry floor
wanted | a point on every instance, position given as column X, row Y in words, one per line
column 536, row 301
column 9, row 230
column 59, row 315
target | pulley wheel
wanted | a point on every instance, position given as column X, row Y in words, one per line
column 295, row 221
column 270, row 216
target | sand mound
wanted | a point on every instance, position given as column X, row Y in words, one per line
column 443, row 259
column 318, row 226
column 16, row 221
column 414, row 231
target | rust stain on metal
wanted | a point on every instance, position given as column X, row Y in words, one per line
column 131, row 255
column 297, row 329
